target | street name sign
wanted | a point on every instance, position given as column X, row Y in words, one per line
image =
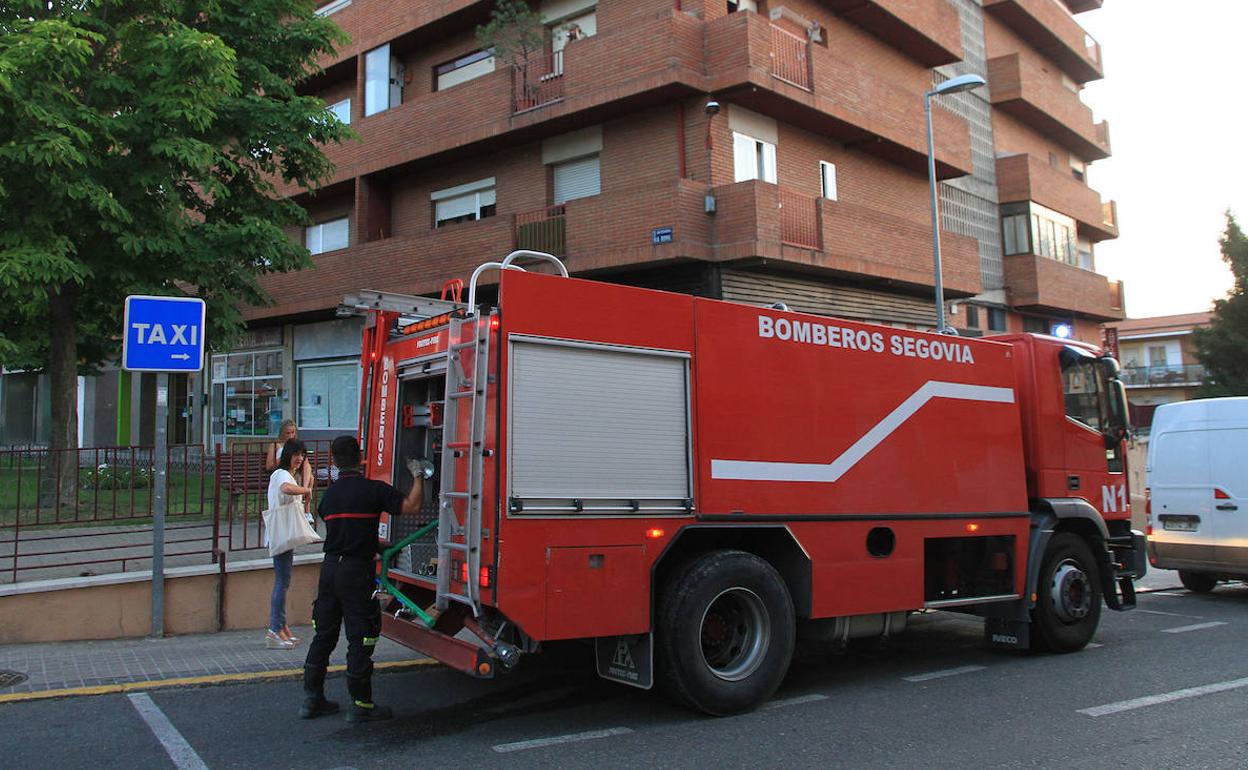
column 163, row 334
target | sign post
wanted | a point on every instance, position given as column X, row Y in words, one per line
column 162, row 335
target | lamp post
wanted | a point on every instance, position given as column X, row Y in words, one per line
column 951, row 86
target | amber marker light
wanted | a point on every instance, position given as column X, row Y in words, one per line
column 972, row 527
column 654, row 533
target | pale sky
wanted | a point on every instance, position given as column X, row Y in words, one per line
column 1174, row 94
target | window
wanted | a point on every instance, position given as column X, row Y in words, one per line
column 247, row 393
column 333, row 7
column 578, row 178
column 1156, row 355
column 1015, row 229
column 753, row 159
column 329, row 395
column 1078, row 169
column 996, row 319
column 328, row 236
column 341, row 110
column 463, row 69
column 1069, row 83
column 383, row 81
column 572, row 29
column 972, row 317
column 464, row 203
column 1084, row 393
column 827, row 177
column 742, row 5
column 1035, row 325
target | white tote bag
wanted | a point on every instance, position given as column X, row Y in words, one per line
column 287, row 528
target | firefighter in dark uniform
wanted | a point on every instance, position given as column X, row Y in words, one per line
column 351, row 509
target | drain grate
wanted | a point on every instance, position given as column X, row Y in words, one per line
column 11, row 678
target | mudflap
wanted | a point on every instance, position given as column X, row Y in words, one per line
column 1007, row 634
column 626, row 659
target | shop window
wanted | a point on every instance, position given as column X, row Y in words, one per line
column 329, row 395
column 247, row 393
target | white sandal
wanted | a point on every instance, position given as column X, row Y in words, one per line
column 274, row 642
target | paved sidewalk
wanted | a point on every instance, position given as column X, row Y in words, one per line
column 85, row 668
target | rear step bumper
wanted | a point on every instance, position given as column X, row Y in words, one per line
column 458, row 654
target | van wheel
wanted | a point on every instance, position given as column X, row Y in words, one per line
column 1197, row 582
column 1068, row 602
column 726, row 631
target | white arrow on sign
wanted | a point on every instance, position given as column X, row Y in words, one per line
column 182, row 356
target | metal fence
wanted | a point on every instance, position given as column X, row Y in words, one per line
column 537, row 81
column 98, row 518
column 1163, row 376
column 790, row 57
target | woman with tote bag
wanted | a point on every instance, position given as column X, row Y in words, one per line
column 286, row 526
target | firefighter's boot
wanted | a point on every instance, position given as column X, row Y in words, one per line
column 368, row 712
column 314, row 702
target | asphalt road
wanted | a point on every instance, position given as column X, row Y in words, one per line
column 1165, row 686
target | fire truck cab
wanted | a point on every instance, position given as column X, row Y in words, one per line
column 693, row 485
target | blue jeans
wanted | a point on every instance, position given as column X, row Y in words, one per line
column 282, row 564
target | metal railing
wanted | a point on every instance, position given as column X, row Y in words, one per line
column 799, row 220
column 536, row 82
column 88, row 511
column 790, row 57
column 1163, row 376
column 543, row 229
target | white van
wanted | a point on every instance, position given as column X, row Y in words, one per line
column 1198, row 487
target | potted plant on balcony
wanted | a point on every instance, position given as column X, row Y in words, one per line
column 518, row 38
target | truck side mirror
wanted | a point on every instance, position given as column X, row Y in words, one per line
column 1119, row 423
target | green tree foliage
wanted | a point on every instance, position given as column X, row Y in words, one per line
column 1223, row 347
column 515, row 32
column 141, row 142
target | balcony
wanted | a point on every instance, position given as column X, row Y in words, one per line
column 929, row 31
column 1020, row 87
column 1173, row 376
column 543, row 229
column 844, row 98
column 1048, row 26
column 370, row 23
column 757, row 220
column 1042, row 284
column 1027, row 178
column 1079, row 6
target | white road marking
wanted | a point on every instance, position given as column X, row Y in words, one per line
column 799, row 700
column 1168, row 614
column 183, row 756
column 1166, row 593
column 1166, row 697
column 1093, row 645
column 946, row 672
column 537, row 743
column 1194, row 627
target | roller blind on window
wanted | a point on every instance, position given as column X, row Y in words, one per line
column 577, row 179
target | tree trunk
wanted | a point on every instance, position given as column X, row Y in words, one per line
column 60, row 488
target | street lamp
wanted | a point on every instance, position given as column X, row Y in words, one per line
column 952, row 86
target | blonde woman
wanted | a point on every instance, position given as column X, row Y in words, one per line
column 303, row 476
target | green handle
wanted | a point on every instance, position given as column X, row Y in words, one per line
column 387, row 556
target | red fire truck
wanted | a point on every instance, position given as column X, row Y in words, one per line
column 694, row 485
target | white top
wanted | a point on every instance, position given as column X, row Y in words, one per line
column 276, row 495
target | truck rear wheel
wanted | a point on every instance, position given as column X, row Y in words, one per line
column 726, row 631
column 1197, row 582
column 1068, row 602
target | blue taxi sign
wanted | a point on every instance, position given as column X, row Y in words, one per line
column 163, row 334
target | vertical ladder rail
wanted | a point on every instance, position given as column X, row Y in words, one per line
column 476, row 457
column 447, row 489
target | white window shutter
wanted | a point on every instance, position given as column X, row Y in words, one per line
column 457, row 207
column 745, row 167
column 828, row 173
column 577, row 179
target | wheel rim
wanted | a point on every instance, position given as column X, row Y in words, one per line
column 734, row 634
column 1071, row 592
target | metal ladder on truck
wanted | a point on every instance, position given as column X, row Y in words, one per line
column 460, row 538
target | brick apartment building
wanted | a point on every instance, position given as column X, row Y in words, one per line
column 1159, row 363
column 808, row 186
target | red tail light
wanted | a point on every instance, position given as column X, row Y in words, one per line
column 485, row 577
column 1220, row 495
column 1148, row 501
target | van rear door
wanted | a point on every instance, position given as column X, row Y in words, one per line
column 1227, row 449
column 1183, row 534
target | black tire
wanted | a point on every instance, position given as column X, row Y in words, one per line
column 1068, row 601
column 725, row 633
column 1197, row 582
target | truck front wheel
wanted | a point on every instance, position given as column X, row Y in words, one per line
column 725, row 632
column 1068, row 602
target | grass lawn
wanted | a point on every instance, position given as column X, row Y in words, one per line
column 189, row 496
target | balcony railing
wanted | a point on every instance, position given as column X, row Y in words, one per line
column 790, row 59
column 537, row 82
column 543, row 229
column 799, row 220
column 1163, row 376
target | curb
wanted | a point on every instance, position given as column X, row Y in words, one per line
column 199, row 681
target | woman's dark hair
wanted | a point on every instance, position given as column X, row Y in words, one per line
column 291, row 448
